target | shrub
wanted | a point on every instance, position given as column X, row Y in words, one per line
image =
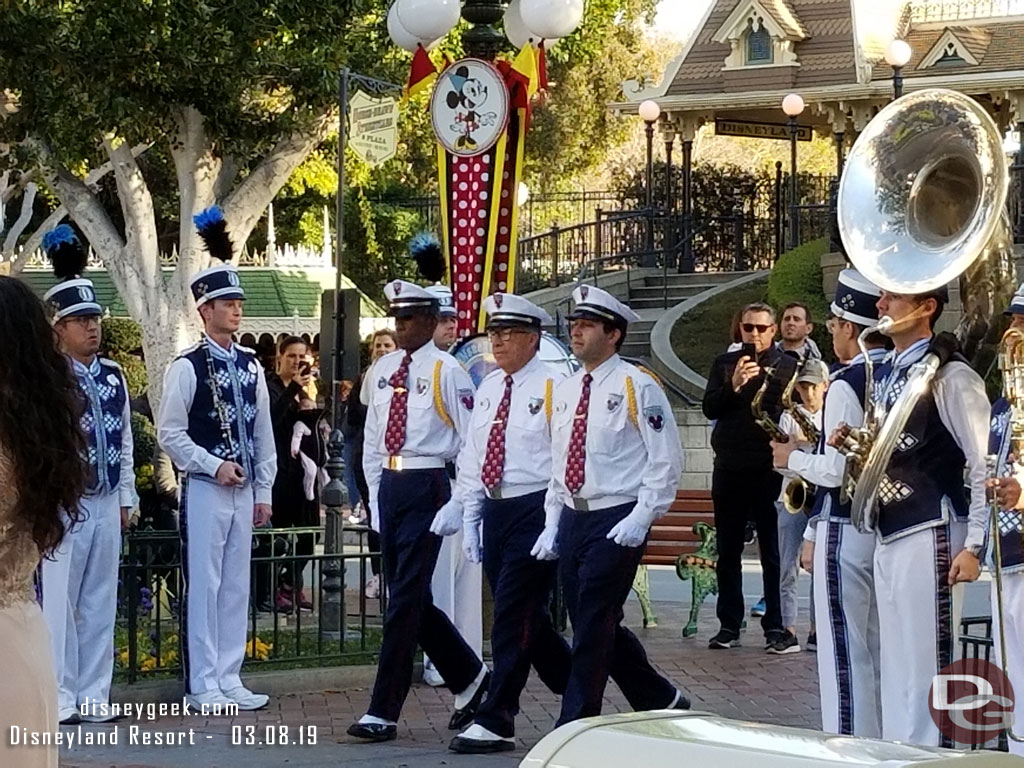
column 122, row 343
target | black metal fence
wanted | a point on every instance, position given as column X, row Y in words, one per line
column 147, row 634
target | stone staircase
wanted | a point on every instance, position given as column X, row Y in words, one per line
column 648, row 299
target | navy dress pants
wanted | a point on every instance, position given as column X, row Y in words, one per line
column 522, row 632
column 597, row 575
column 407, row 503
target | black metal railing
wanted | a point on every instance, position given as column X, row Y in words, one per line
column 148, row 629
column 976, row 643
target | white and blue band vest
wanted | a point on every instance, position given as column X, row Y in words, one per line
column 235, row 373
column 856, row 377
column 1011, row 524
column 103, row 422
column 926, row 466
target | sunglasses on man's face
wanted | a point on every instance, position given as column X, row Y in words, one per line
column 751, row 327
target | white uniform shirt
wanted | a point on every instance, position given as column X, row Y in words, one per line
column 527, row 434
column 426, row 433
column 172, row 425
column 788, row 425
column 644, row 461
column 126, row 495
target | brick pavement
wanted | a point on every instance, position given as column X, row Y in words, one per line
column 743, row 683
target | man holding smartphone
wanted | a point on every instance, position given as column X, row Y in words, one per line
column 743, row 485
column 214, row 423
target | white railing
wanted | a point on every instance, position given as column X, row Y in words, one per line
column 929, row 11
column 287, row 256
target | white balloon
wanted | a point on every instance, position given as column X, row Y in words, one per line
column 399, row 35
column 428, row 19
column 515, row 29
column 550, row 18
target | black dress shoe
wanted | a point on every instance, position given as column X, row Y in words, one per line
column 480, row 746
column 683, row 703
column 461, row 718
column 373, row 731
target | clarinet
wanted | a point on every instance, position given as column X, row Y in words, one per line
column 219, row 405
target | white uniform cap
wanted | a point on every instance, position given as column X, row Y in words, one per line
column 855, row 299
column 504, row 309
column 1016, row 303
column 445, row 300
column 408, row 298
column 599, row 304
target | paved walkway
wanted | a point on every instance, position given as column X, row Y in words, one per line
column 743, row 683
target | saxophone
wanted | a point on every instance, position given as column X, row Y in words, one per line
column 799, row 494
column 762, row 419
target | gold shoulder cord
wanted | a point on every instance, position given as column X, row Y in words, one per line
column 439, row 399
column 548, row 387
column 652, row 374
column 631, row 402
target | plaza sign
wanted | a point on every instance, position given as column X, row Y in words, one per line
column 374, row 127
column 751, row 130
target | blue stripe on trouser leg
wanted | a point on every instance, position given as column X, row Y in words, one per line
column 943, row 608
column 522, row 630
column 596, row 578
column 837, row 619
column 407, row 503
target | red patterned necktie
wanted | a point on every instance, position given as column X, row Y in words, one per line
column 574, row 474
column 494, row 460
column 394, row 438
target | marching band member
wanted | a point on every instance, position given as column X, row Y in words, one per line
column 1011, row 545
column 214, row 423
column 457, row 584
column 503, row 474
column 80, row 587
column 930, row 532
column 843, row 557
column 616, row 465
column 419, row 413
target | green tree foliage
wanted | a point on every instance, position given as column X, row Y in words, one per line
column 797, row 277
column 122, row 343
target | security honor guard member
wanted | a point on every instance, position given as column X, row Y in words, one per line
column 419, row 413
column 616, row 463
column 843, row 572
column 457, row 585
column 80, row 586
column 930, row 535
column 214, row 423
column 503, row 474
column 1011, row 544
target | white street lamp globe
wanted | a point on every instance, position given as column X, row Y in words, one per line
column 649, row 111
column 515, row 29
column 793, row 104
column 550, row 19
column 399, row 35
column 897, row 53
column 428, row 19
column 522, row 194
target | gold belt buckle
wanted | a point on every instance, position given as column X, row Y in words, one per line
column 395, row 463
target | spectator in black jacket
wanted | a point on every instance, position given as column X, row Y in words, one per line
column 744, row 486
column 289, row 503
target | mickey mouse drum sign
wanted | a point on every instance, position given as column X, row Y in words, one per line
column 469, row 107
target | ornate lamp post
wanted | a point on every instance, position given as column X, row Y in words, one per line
column 426, row 21
column 649, row 111
column 793, row 106
column 897, row 54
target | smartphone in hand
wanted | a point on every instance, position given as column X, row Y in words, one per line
column 749, row 349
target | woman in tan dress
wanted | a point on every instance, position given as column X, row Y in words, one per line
column 41, row 474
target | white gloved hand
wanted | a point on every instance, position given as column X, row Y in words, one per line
column 631, row 531
column 471, row 546
column 546, row 547
column 448, row 520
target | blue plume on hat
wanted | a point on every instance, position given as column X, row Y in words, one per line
column 213, row 229
column 65, row 252
column 426, row 251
